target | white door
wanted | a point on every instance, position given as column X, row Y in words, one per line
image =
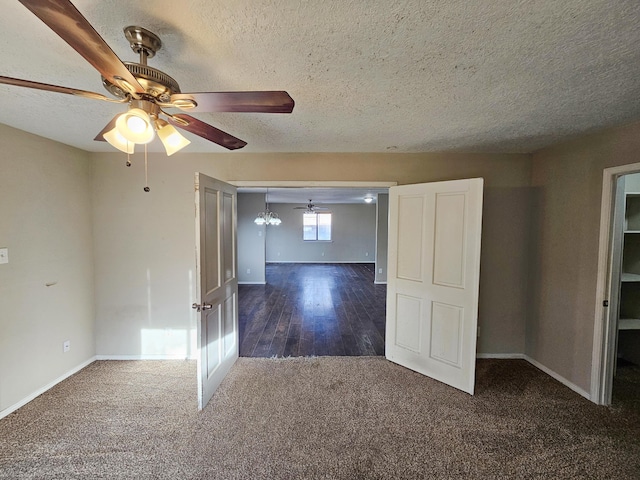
column 434, row 275
column 216, row 283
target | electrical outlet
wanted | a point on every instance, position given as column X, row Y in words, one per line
column 66, row 346
column 248, row 271
column 323, row 254
column 379, row 270
column 4, row 255
column 366, row 254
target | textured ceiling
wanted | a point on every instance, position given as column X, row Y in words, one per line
column 366, row 76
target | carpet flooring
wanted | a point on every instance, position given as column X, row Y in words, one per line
column 316, row 418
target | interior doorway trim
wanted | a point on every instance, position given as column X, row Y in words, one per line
column 310, row 184
column 603, row 338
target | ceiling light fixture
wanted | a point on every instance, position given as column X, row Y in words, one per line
column 139, row 125
column 368, row 199
column 116, row 140
column 136, row 126
column 172, row 140
column 267, row 217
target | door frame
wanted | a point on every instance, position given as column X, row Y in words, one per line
column 604, row 340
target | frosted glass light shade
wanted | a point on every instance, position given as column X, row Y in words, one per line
column 116, row 140
column 171, row 139
column 268, row 218
column 135, row 125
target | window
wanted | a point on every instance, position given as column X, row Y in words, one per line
column 316, row 226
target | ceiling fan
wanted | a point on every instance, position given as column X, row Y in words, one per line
column 146, row 90
column 311, row 208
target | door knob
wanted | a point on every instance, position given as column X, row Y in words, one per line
column 204, row 306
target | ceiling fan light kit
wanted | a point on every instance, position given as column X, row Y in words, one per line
column 147, row 90
column 170, row 137
column 115, row 139
column 136, row 126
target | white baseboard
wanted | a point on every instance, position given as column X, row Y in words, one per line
column 558, row 377
column 519, row 356
column 380, row 283
column 252, row 283
column 143, row 357
column 320, row 261
column 40, row 391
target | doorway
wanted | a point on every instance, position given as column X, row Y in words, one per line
column 303, row 298
column 616, row 359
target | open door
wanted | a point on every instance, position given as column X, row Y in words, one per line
column 216, row 283
column 434, row 276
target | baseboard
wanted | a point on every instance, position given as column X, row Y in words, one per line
column 558, row 377
column 252, row 283
column 519, row 356
column 40, row 391
column 320, row 261
column 143, row 357
column 380, row 283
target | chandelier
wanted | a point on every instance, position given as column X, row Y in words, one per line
column 267, row 217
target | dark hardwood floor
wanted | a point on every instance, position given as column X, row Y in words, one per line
column 313, row 309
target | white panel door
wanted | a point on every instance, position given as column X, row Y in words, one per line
column 434, row 275
column 216, row 283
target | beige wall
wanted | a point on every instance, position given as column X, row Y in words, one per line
column 567, row 189
column 45, row 222
column 538, row 265
column 144, row 242
column 382, row 236
column 251, row 239
column 353, row 235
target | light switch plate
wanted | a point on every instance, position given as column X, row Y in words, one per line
column 4, row 255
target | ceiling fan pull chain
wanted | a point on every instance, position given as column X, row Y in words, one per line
column 128, row 164
column 146, row 174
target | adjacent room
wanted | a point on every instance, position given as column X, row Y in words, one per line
column 167, row 311
column 312, row 282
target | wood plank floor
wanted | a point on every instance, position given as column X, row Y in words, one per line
column 313, row 309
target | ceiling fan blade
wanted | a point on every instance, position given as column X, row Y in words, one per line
column 260, row 102
column 55, row 88
column 65, row 19
column 207, row 131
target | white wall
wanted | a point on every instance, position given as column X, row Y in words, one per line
column 45, row 222
column 353, row 235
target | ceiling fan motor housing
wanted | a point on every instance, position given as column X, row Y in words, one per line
column 156, row 83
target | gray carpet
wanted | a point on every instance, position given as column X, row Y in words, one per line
column 316, row 418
